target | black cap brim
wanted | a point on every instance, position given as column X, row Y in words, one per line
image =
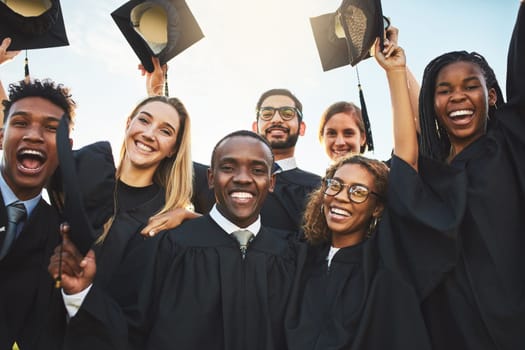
column 38, row 32
column 333, row 51
column 88, row 182
column 183, row 31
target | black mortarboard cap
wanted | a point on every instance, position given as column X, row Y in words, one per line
column 162, row 28
column 87, row 181
column 32, row 24
column 347, row 35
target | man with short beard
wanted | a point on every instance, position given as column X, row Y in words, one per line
column 279, row 120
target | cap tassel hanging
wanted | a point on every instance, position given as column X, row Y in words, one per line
column 26, row 70
column 364, row 113
column 166, row 90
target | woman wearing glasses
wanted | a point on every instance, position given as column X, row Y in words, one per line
column 345, row 297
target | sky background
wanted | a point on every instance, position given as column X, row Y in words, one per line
column 251, row 46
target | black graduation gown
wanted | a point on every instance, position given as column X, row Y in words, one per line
column 213, row 299
column 31, row 309
column 114, row 313
column 354, row 304
column 478, row 302
column 284, row 207
column 203, row 197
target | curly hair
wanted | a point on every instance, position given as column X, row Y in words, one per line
column 57, row 94
column 434, row 141
column 315, row 227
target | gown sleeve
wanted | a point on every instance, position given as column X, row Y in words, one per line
column 419, row 230
column 511, row 117
column 515, row 66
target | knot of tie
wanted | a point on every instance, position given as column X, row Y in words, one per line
column 243, row 237
column 276, row 168
column 16, row 212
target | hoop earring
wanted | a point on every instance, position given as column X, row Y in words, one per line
column 322, row 209
column 372, row 227
column 437, row 128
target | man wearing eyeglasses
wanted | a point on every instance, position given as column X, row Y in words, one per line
column 279, row 120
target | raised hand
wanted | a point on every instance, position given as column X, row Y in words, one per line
column 392, row 57
column 5, row 54
column 155, row 79
column 76, row 271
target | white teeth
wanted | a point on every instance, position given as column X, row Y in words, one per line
column 144, row 147
column 339, row 211
column 460, row 113
column 241, row 195
column 32, row 152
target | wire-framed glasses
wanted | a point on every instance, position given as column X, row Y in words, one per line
column 286, row 113
column 356, row 193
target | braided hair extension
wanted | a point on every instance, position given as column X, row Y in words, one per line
column 434, row 141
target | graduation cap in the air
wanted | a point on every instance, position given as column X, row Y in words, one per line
column 32, row 24
column 84, row 187
column 162, row 28
column 347, row 35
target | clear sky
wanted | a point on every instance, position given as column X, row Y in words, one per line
column 251, row 46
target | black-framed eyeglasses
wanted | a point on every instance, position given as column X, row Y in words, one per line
column 356, row 193
column 286, row 113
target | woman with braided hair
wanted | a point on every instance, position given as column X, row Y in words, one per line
column 471, row 281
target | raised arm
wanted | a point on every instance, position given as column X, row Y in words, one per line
column 515, row 66
column 392, row 36
column 393, row 61
column 5, row 56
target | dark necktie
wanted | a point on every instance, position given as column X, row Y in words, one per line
column 243, row 237
column 276, row 168
column 16, row 212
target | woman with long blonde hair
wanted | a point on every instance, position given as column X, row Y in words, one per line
column 106, row 293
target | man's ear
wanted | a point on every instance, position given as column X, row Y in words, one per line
column 255, row 127
column 210, row 178
column 272, row 183
column 302, row 128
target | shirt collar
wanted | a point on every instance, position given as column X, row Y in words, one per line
column 287, row 163
column 229, row 226
column 9, row 196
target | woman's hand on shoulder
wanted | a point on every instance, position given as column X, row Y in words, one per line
column 168, row 220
